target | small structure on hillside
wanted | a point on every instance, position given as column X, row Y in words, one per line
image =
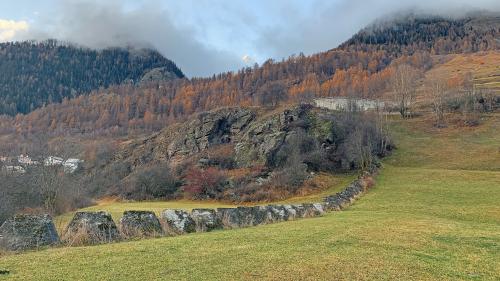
column 26, row 160
column 71, row 165
column 53, row 161
column 14, row 169
column 347, row 104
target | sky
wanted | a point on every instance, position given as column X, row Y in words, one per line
column 204, row 37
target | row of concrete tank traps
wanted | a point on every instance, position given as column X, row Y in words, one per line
column 23, row 232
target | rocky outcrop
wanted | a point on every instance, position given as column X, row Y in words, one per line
column 24, row 232
column 256, row 140
column 205, row 220
column 91, row 228
column 176, row 222
column 210, row 128
column 263, row 139
column 157, row 75
column 178, row 141
column 140, row 224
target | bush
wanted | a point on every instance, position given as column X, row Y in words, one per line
column 207, row 183
column 151, row 183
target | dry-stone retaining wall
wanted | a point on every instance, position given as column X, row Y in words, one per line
column 28, row 232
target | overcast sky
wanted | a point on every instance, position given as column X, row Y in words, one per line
column 205, row 37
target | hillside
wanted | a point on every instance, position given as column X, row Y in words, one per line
column 427, row 163
column 438, row 35
column 35, row 74
column 484, row 66
column 432, row 222
column 362, row 67
column 243, row 155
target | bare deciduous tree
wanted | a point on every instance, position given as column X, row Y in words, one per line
column 438, row 90
column 470, row 105
column 271, row 94
column 404, row 83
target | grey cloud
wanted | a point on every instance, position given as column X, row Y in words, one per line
column 333, row 22
column 274, row 29
column 101, row 24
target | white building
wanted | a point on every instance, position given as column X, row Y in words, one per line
column 346, row 104
column 26, row 160
column 71, row 165
column 53, row 161
column 15, row 169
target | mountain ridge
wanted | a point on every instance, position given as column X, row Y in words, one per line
column 35, row 73
column 354, row 68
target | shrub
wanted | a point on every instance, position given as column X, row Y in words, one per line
column 207, row 183
column 151, row 183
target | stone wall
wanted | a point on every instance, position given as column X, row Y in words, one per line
column 98, row 227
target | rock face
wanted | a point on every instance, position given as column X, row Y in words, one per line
column 23, row 232
column 205, row 220
column 178, row 141
column 158, row 74
column 210, row 128
column 91, row 228
column 262, row 140
column 140, row 224
column 177, row 222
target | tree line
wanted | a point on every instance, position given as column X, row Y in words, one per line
column 362, row 67
column 38, row 73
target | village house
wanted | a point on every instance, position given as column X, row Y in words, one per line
column 53, row 161
column 26, row 160
column 71, row 165
column 15, row 169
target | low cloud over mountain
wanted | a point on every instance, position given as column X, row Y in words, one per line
column 219, row 35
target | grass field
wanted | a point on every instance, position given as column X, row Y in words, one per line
column 433, row 215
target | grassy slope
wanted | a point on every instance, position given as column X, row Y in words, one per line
column 434, row 215
column 485, row 67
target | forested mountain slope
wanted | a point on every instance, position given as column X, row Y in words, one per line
column 37, row 73
column 363, row 67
